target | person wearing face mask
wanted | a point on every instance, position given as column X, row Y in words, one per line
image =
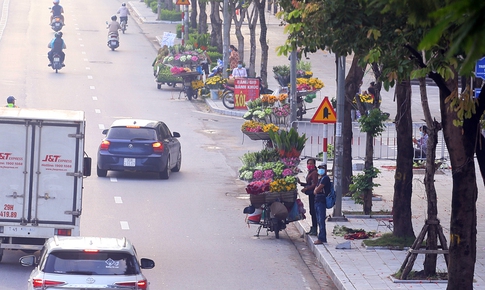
column 421, row 143
column 233, row 57
column 309, row 185
column 321, row 192
column 239, row 71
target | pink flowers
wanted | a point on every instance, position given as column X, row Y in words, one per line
column 195, row 58
column 257, row 187
column 282, row 111
column 290, row 161
column 268, row 174
column 287, row 172
column 258, row 174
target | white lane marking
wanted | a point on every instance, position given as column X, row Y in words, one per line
column 92, row 87
column 3, row 20
column 124, row 225
column 97, row 111
column 88, row 68
column 101, row 126
column 113, row 179
column 80, row 38
column 118, row 199
column 90, row 77
column 82, row 45
column 95, row 98
column 86, row 59
column 83, row 52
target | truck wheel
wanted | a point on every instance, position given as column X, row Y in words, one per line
column 165, row 174
column 101, row 172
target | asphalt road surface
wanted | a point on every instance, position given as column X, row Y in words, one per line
column 192, row 225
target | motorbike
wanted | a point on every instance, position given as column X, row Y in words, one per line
column 123, row 25
column 56, row 24
column 113, row 41
column 56, row 62
column 228, row 94
column 272, row 211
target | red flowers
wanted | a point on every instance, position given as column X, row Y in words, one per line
column 257, row 187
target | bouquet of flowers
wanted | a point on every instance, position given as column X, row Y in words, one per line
column 214, row 83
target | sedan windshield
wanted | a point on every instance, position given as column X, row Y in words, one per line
column 132, row 133
column 91, row 263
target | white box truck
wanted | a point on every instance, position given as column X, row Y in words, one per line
column 42, row 166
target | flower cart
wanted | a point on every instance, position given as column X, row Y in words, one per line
column 271, row 176
column 164, row 76
column 190, row 81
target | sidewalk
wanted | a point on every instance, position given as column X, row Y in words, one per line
column 357, row 268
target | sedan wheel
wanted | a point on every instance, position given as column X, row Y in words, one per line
column 165, row 174
column 179, row 163
column 101, row 172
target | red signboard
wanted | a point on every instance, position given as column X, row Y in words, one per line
column 245, row 89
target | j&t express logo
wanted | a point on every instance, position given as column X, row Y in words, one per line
column 8, row 156
column 55, row 159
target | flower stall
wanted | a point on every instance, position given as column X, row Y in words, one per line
column 271, row 173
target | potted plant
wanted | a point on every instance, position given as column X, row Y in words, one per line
column 282, row 74
column 289, row 144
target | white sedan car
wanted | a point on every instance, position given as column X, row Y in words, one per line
column 87, row 263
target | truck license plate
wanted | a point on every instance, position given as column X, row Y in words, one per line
column 131, row 162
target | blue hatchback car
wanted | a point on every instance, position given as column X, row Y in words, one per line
column 139, row 145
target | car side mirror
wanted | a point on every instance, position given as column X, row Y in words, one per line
column 105, row 131
column 176, row 134
column 147, row 263
column 27, row 260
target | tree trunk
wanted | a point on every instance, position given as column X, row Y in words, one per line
column 403, row 185
column 263, row 41
column 369, row 163
column 252, row 23
column 216, row 23
column 352, row 81
column 193, row 15
column 239, row 35
column 460, row 142
column 432, row 235
column 202, row 27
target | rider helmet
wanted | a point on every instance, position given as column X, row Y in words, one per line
column 58, row 34
column 55, row 2
column 114, row 18
column 124, row 4
column 11, row 100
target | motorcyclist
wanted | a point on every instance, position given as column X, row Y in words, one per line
column 113, row 27
column 56, row 45
column 123, row 12
column 57, row 11
column 11, row 102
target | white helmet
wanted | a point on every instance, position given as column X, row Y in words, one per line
column 55, row 1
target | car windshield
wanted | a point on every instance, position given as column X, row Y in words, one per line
column 91, row 263
column 131, row 133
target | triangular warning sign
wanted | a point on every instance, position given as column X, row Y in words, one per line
column 325, row 113
column 182, row 2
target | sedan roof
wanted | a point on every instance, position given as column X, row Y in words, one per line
column 88, row 243
column 134, row 122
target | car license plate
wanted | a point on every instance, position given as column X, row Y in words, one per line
column 130, row 162
column 113, row 42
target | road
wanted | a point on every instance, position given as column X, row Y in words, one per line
column 192, row 224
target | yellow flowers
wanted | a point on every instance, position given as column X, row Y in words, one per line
column 315, row 83
column 197, row 84
column 366, row 98
column 252, row 126
column 215, row 82
column 280, row 185
column 270, row 127
column 282, row 97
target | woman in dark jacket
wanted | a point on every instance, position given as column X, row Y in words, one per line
column 308, row 186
